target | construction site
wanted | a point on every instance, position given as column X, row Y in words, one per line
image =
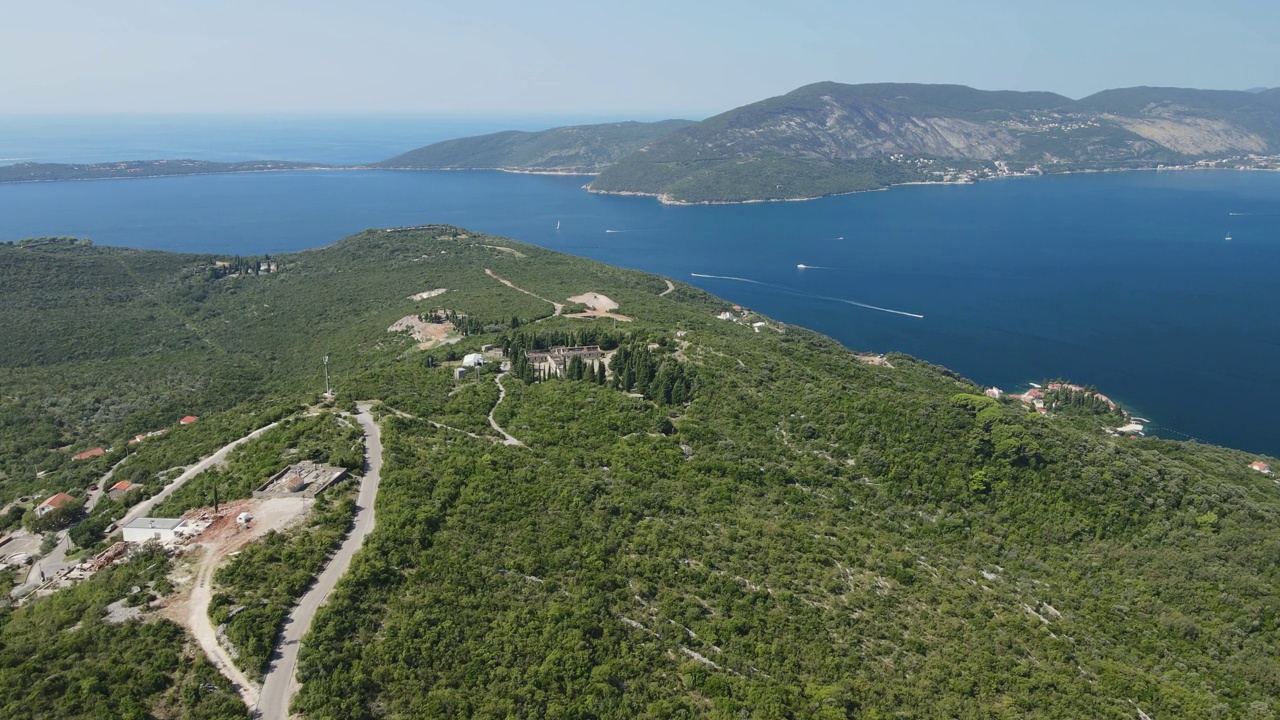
column 232, row 526
column 305, row 479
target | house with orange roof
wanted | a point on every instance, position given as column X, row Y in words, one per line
column 188, row 420
column 121, row 489
column 53, row 503
column 1261, row 467
column 87, row 454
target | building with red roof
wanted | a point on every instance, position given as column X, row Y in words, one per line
column 188, row 420
column 122, row 488
column 87, row 454
column 53, row 503
column 1261, row 467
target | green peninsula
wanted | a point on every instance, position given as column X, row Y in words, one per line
column 580, row 149
column 641, row 502
column 43, row 172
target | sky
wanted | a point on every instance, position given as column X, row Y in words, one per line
column 688, row 58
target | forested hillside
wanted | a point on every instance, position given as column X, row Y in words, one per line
column 575, row 149
column 730, row 521
column 831, row 137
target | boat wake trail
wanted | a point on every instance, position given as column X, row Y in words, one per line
column 811, row 295
column 802, row 266
column 730, row 277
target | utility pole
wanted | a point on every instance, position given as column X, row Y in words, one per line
column 328, row 391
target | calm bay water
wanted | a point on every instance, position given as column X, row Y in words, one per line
column 331, row 140
column 1124, row 280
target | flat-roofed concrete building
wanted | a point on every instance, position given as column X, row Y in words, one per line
column 162, row 529
column 305, row 479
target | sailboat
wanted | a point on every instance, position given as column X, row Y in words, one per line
column 1228, row 234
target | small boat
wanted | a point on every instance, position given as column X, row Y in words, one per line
column 1228, row 235
column 557, row 225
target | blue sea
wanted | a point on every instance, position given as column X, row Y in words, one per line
column 1125, row 281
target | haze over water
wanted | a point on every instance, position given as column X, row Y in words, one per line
column 1124, row 281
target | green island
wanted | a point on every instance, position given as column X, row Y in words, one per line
column 603, row 495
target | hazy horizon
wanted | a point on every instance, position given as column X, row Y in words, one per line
column 565, row 58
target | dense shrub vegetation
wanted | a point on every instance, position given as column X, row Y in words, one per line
column 732, row 524
column 62, row 657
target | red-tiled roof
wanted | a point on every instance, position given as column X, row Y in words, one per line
column 57, row 500
column 188, row 420
column 96, row 452
column 124, row 485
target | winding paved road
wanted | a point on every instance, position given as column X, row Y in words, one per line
column 281, row 684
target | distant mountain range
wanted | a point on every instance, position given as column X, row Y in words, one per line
column 830, row 138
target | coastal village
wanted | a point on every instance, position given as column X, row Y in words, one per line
column 996, row 169
column 1034, row 399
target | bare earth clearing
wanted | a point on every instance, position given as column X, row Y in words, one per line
column 598, row 306
column 595, row 301
column 510, row 251
column 428, row 334
column 429, row 294
column 224, row 536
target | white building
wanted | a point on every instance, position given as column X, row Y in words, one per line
column 473, row 360
column 162, row 529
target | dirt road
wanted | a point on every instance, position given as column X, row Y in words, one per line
column 202, row 628
column 559, row 307
column 502, row 393
column 280, row 684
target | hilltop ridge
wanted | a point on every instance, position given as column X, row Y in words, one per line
column 578, row 149
column 829, row 138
